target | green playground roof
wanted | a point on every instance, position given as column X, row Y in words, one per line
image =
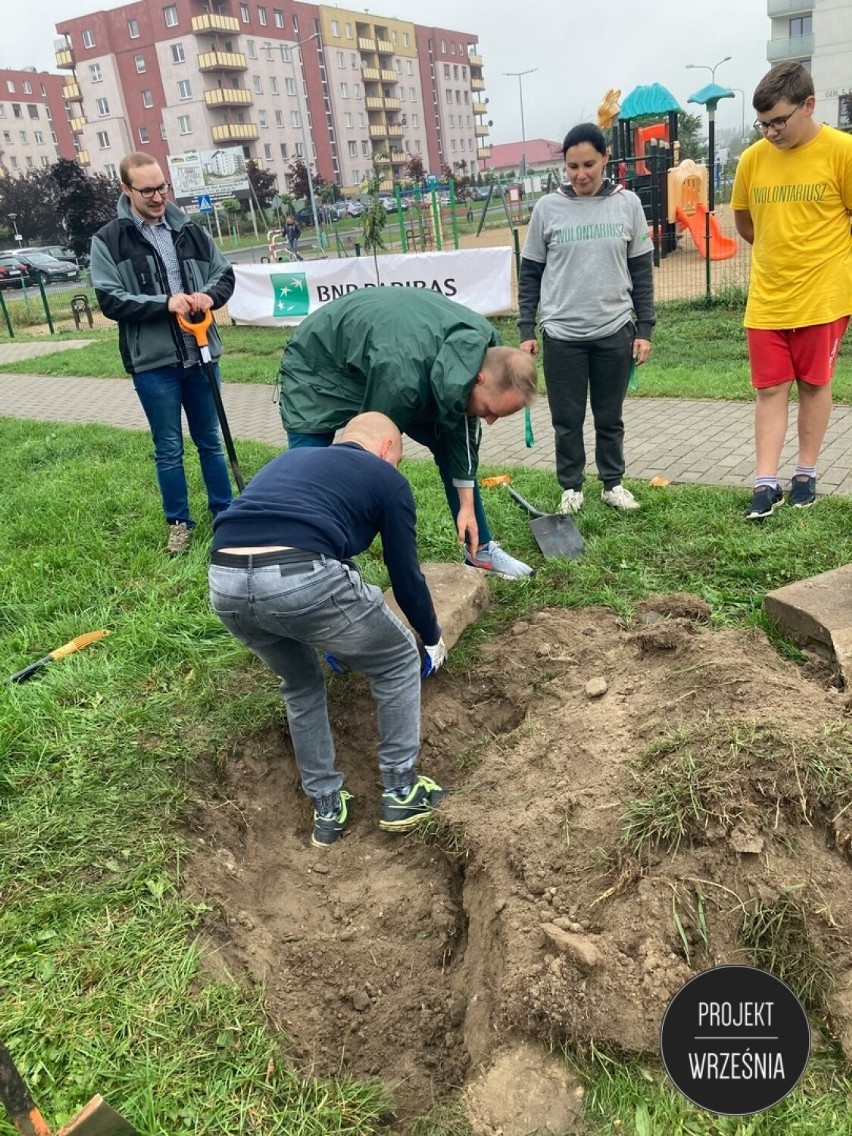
column 651, row 100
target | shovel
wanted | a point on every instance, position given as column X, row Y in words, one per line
column 96, row 1119
column 555, row 533
column 199, row 331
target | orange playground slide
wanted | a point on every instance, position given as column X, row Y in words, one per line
column 721, row 247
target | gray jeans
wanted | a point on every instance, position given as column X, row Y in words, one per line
column 285, row 613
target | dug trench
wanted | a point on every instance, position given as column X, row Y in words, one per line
column 630, row 804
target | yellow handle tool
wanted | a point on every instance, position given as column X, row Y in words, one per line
column 60, row 653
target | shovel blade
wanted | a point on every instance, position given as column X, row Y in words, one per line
column 557, row 535
column 97, row 1119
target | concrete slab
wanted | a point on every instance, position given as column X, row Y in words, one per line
column 460, row 596
column 816, row 613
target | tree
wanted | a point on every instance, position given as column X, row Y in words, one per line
column 262, row 183
column 33, row 199
column 298, row 174
column 83, row 203
column 375, row 217
column 414, row 171
column 689, row 132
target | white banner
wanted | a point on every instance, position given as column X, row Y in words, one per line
column 285, row 292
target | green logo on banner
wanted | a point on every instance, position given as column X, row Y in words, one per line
column 291, row 294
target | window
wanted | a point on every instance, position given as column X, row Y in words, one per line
column 461, row 143
column 256, row 84
column 23, row 135
column 450, row 98
column 177, row 53
column 283, row 148
column 295, row 118
column 278, row 17
column 10, row 86
column 398, row 65
column 144, row 137
column 110, row 171
column 7, row 137
column 47, row 114
column 402, row 94
column 353, row 149
column 405, row 39
column 335, row 29
column 133, row 29
column 347, row 31
column 356, row 90
column 409, row 66
column 95, row 73
column 103, row 140
column 300, row 150
column 103, row 107
column 279, row 118
column 801, row 26
column 464, row 74
column 467, row 98
column 273, row 85
column 261, row 119
column 163, row 131
column 415, row 121
column 267, row 151
column 290, row 86
column 365, row 148
column 185, row 124
column 394, row 37
column 261, row 16
column 16, row 110
column 458, row 98
column 251, row 49
column 451, row 119
column 443, row 47
column 184, row 89
column 285, row 52
column 244, row 13
column 452, row 49
column 347, row 120
column 361, row 121
column 147, row 99
column 28, row 88
column 456, row 72
column 353, row 62
column 141, row 66
column 32, row 110
column 39, row 137
column 88, row 39
column 344, row 90
column 13, row 162
column 412, row 93
column 45, row 161
column 43, row 90
column 418, row 148
column 170, row 16
column 341, row 59
column 29, row 162
column 446, row 70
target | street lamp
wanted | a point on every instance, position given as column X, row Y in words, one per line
column 520, row 78
column 13, row 217
column 704, row 67
column 742, row 93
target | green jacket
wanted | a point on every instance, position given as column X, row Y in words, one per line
column 410, row 354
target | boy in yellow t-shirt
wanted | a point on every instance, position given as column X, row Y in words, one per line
column 792, row 197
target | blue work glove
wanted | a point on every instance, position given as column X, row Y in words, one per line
column 335, row 664
column 435, row 658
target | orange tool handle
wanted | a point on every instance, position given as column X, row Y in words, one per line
column 490, row 482
column 199, row 329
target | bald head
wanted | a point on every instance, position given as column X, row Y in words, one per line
column 376, row 433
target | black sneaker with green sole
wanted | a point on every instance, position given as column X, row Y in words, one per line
column 399, row 814
column 328, row 828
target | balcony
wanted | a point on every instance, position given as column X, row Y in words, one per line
column 77, row 124
column 477, row 84
column 228, row 97
column 64, row 57
column 71, row 92
column 479, row 108
column 222, row 61
column 378, row 132
column 384, row 46
column 389, row 76
column 391, row 104
column 83, row 158
column 370, row 74
column 480, row 131
column 788, row 7
column 398, row 157
column 483, row 151
column 366, row 45
column 395, row 131
column 797, row 47
column 212, row 25
column 235, row 132
column 373, row 103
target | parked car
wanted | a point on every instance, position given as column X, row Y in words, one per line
column 13, row 274
column 39, row 266
column 478, row 192
column 336, row 211
column 305, row 217
column 387, row 203
column 61, row 252
column 354, row 208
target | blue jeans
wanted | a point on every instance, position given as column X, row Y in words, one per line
column 285, row 613
column 162, row 392
column 437, row 446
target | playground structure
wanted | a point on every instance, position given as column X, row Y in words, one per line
column 675, row 195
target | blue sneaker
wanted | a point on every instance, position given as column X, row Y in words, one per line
column 492, row 558
column 802, row 491
column 399, row 813
column 766, row 500
column 328, row 827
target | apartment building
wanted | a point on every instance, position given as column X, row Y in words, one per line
column 817, row 33
column 34, row 128
column 281, row 79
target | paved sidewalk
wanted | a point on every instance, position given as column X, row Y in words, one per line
column 685, row 440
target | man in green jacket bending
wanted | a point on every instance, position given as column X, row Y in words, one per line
column 431, row 365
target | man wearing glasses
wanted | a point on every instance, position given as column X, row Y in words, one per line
column 149, row 265
column 792, row 198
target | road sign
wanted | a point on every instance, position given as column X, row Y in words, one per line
column 205, row 203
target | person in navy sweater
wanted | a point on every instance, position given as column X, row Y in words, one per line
column 283, row 583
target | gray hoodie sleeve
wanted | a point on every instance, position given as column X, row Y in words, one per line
column 529, row 294
column 642, row 288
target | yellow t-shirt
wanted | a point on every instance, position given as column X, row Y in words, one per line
column 799, row 201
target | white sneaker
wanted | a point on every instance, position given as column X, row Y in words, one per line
column 572, row 501
column 620, row 498
column 492, row 558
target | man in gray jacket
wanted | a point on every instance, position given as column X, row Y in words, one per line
column 148, row 266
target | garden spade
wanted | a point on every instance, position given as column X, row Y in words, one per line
column 199, row 332
column 96, row 1119
column 555, row 533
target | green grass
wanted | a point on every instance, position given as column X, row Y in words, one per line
column 699, row 352
column 100, row 984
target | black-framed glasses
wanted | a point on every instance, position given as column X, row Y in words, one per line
column 149, row 191
column 776, row 123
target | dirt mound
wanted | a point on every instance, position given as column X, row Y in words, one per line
column 631, row 805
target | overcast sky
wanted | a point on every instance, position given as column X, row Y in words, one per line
column 579, row 50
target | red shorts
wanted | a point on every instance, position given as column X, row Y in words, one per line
column 806, row 353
